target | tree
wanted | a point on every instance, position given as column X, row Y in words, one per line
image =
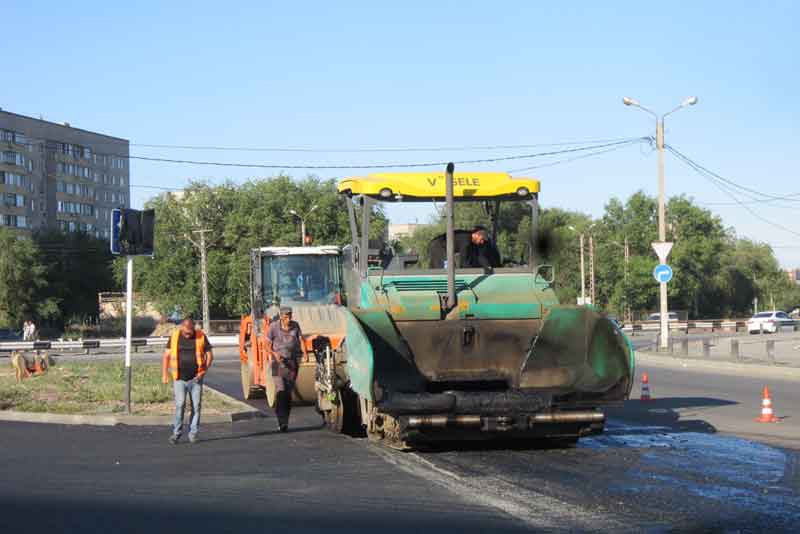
column 79, row 266
column 22, row 275
column 241, row 218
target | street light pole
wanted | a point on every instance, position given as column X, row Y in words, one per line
column 662, row 223
column 303, row 222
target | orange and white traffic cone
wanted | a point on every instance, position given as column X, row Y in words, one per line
column 645, row 388
column 767, row 415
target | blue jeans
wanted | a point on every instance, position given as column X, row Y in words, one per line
column 195, row 390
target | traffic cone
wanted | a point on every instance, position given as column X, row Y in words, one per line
column 767, row 415
column 645, row 388
column 37, row 366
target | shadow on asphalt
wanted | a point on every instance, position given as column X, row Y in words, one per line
column 674, row 413
column 89, row 515
column 300, row 429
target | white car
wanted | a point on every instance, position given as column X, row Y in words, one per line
column 671, row 316
column 768, row 321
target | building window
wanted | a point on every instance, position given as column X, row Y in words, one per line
column 13, row 200
column 14, row 221
column 15, row 158
column 10, row 178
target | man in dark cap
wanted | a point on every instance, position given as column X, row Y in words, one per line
column 481, row 252
column 284, row 345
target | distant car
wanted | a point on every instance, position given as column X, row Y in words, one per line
column 6, row 334
column 768, row 321
column 174, row 317
column 671, row 316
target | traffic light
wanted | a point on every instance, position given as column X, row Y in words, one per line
column 132, row 232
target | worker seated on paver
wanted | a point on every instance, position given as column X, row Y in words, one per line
column 473, row 249
column 481, row 252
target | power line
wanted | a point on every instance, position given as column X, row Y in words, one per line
column 752, row 192
column 397, row 165
column 582, row 156
column 791, row 197
column 622, row 144
column 375, row 149
column 609, row 143
column 142, row 186
column 720, row 183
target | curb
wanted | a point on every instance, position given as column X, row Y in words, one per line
column 131, row 420
column 720, row 367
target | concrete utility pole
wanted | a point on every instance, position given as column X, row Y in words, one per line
column 303, row 222
column 202, row 245
column 583, row 274
column 583, row 271
column 626, row 313
column 662, row 224
column 591, row 270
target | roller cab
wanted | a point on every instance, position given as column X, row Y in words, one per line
column 308, row 279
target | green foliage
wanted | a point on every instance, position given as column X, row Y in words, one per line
column 239, row 218
column 51, row 276
column 22, row 275
column 716, row 274
column 78, row 268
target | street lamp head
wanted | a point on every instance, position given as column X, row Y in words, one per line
column 691, row 101
column 293, row 212
column 628, row 101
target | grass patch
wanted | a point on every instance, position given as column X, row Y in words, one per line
column 97, row 388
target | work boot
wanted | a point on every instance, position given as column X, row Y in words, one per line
column 173, row 439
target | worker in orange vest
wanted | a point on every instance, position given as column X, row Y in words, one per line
column 187, row 359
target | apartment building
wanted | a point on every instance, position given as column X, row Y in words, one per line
column 57, row 176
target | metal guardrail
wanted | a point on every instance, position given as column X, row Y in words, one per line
column 738, row 345
column 728, row 325
column 95, row 344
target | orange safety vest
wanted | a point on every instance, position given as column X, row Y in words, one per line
column 200, row 352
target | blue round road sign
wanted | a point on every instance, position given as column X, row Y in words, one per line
column 662, row 273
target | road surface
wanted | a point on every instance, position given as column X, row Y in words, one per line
column 672, row 465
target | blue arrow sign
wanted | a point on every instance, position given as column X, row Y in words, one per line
column 662, row 273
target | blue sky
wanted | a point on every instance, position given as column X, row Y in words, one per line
column 361, row 74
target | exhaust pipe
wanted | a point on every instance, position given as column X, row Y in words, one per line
column 451, row 238
column 500, row 423
column 442, row 421
column 567, row 417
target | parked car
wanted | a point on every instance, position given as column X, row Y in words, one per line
column 175, row 317
column 6, row 334
column 671, row 316
column 768, row 321
column 614, row 319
